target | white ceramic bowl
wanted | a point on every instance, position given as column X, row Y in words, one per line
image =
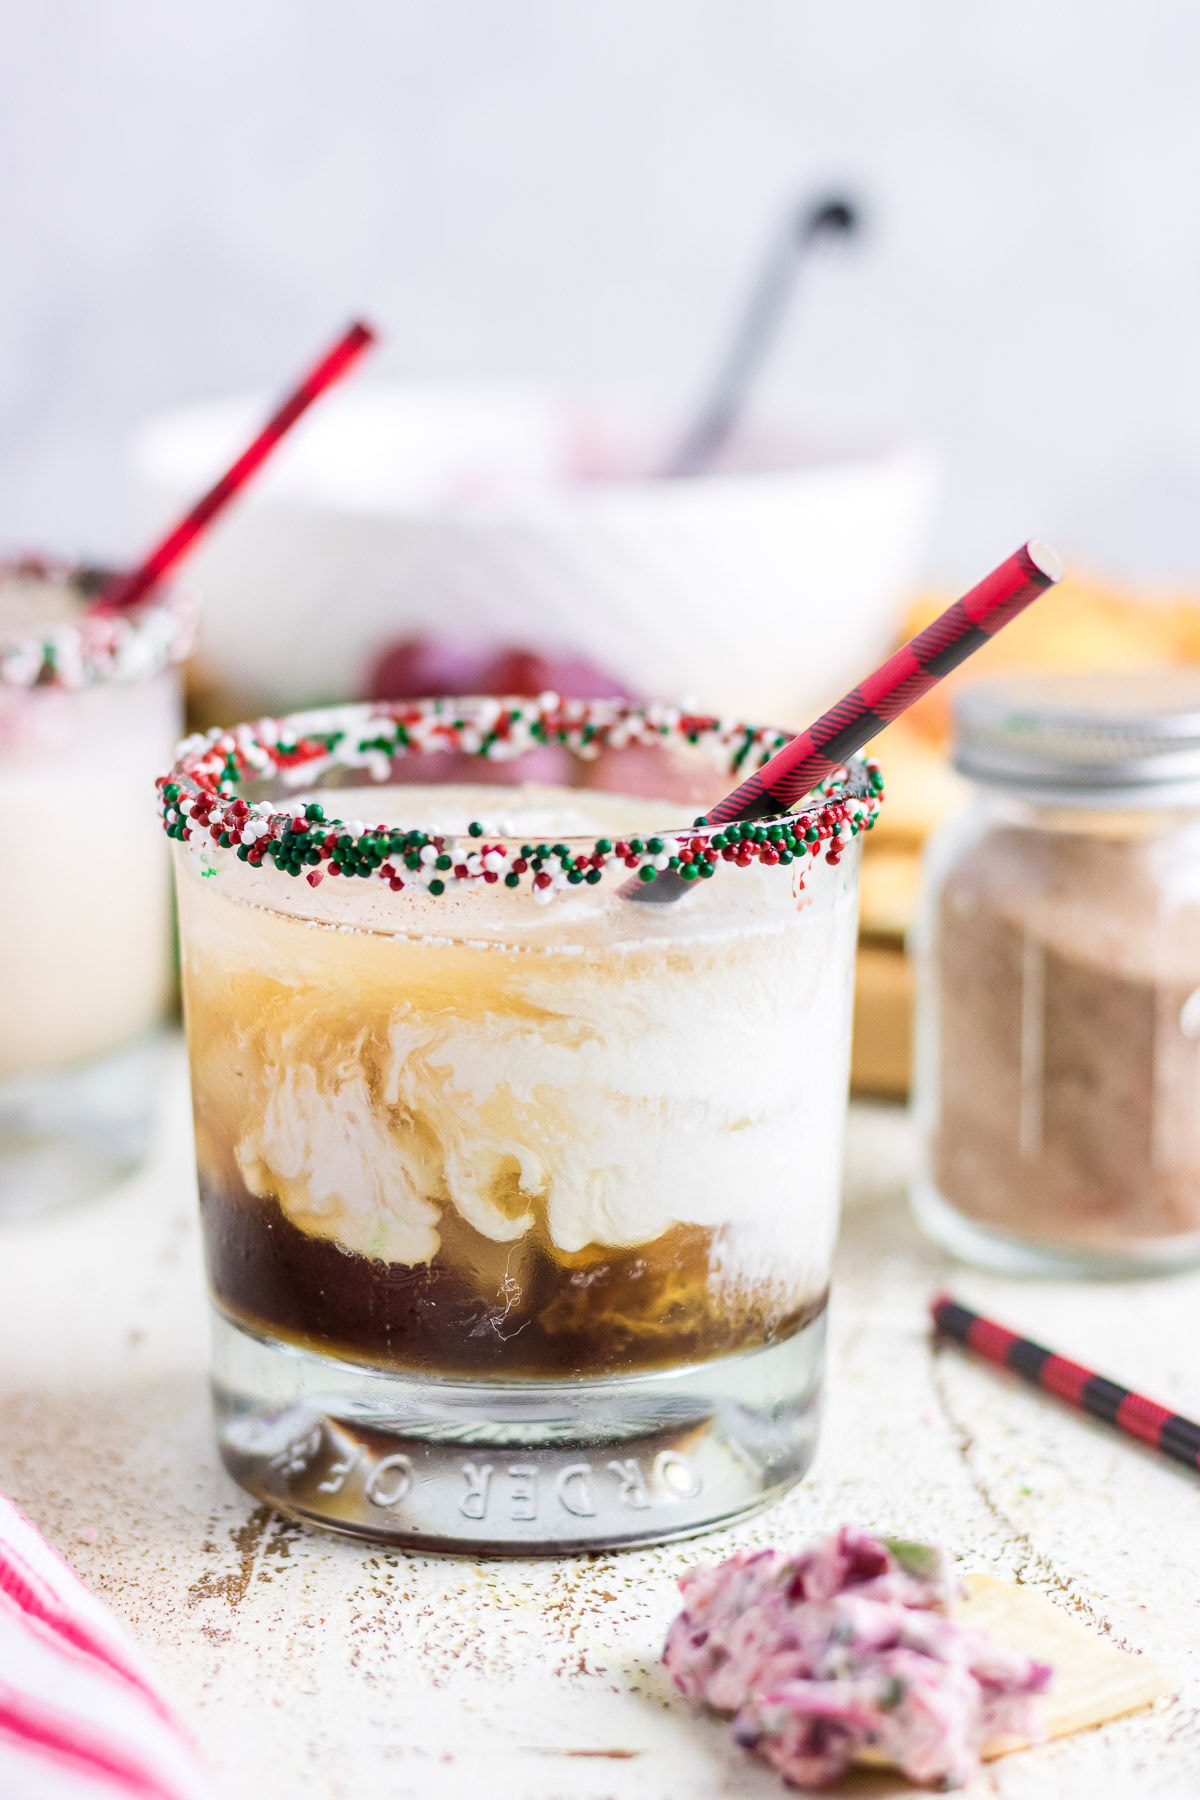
column 482, row 512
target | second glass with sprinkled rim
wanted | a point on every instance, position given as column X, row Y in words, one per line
column 85, row 910
column 519, row 1198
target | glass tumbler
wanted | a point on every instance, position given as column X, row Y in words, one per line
column 519, row 1191
column 89, row 706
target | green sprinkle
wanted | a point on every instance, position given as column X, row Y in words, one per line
column 437, row 887
column 647, row 874
column 474, row 829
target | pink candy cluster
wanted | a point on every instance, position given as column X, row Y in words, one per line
column 844, row 1649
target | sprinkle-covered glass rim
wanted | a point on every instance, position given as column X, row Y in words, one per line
column 95, row 646
column 203, row 805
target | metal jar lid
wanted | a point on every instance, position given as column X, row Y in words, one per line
column 1103, row 738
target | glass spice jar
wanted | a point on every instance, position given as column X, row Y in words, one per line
column 1057, row 1081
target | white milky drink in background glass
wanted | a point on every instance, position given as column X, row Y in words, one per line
column 519, row 1196
column 88, row 707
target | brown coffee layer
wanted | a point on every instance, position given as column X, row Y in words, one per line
column 486, row 1310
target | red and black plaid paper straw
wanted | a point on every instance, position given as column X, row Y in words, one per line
column 128, row 589
column 1131, row 1413
column 838, row 734
column 862, row 714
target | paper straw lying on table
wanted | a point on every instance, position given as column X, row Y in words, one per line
column 1134, row 1414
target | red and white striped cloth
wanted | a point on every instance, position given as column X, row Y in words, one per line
column 80, row 1716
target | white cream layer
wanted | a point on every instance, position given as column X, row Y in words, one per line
column 595, row 1093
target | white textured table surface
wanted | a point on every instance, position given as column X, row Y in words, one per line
column 314, row 1666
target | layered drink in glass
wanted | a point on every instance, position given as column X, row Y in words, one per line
column 519, row 1194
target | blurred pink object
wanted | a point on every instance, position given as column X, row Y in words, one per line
column 80, row 1715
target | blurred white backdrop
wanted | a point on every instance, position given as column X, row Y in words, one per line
column 193, row 197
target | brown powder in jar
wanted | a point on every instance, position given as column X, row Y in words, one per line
column 1068, row 1061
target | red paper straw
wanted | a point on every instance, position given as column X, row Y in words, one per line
column 128, row 589
column 1135, row 1415
column 862, row 714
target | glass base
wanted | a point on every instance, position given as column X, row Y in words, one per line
column 68, row 1134
column 514, row 1469
column 1001, row 1253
